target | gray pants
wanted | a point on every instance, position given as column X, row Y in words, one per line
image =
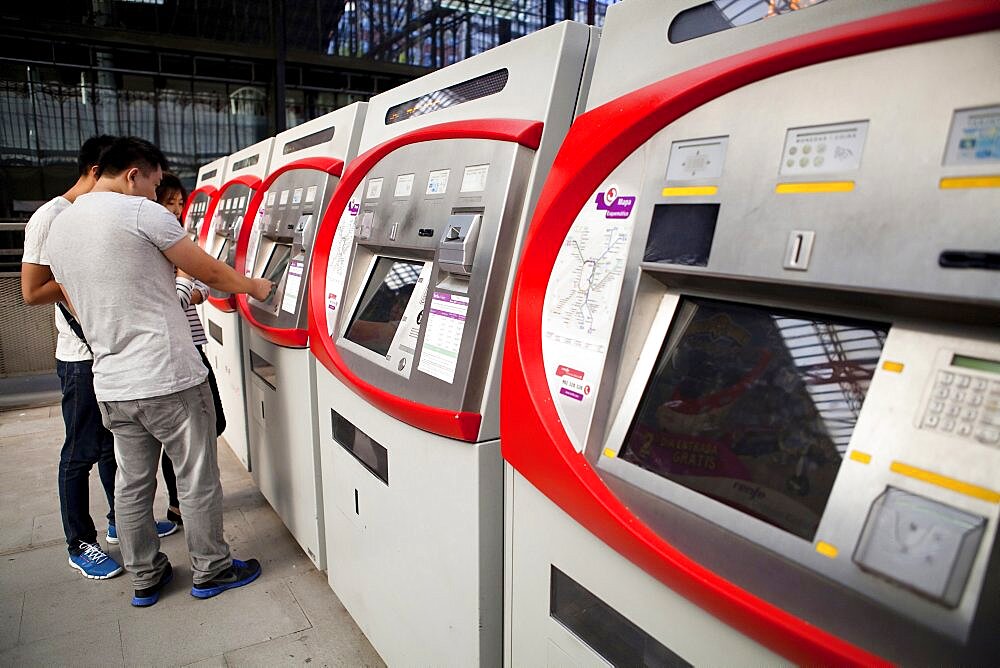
column 184, row 423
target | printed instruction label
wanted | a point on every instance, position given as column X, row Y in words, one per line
column 474, row 178
column 297, row 196
column 437, row 182
column 340, row 257
column 283, row 200
column 311, row 194
column 404, row 185
column 974, row 137
column 293, row 281
column 404, row 341
column 270, row 198
column 443, row 340
column 374, row 188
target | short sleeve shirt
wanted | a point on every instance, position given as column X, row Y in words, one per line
column 106, row 249
column 69, row 347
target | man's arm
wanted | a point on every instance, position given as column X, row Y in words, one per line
column 38, row 285
column 192, row 260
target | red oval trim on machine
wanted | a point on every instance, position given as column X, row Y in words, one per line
column 226, row 304
column 453, row 424
column 532, row 438
column 288, row 338
column 211, row 191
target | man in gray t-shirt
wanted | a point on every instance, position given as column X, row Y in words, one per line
column 114, row 253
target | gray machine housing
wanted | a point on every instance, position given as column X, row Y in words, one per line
column 871, row 253
column 470, row 239
column 230, row 210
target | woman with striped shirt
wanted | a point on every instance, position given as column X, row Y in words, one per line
column 171, row 194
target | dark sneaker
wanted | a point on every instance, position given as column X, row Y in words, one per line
column 164, row 528
column 144, row 598
column 174, row 516
column 94, row 563
column 239, row 574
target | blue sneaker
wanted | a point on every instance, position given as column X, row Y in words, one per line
column 144, row 598
column 94, row 563
column 164, row 528
column 239, row 574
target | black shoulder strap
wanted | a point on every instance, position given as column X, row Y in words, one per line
column 74, row 325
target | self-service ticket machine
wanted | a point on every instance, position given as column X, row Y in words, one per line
column 201, row 202
column 200, row 205
column 751, row 386
column 243, row 174
column 408, row 293
column 278, row 369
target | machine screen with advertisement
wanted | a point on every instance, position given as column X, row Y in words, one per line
column 408, row 294
column 240, row 182
column 278, row 369
column 200, row 203
column 752, row 366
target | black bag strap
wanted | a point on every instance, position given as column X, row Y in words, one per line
column 74, row 325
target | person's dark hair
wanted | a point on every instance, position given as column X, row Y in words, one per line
column 92, row 151
column 169, row 184
column 128, row 152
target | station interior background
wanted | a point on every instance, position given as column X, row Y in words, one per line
column 201, row 79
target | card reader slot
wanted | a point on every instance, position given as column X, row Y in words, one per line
column 961, row 259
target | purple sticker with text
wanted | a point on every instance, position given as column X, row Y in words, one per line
column 571, row 394
column 613, row 204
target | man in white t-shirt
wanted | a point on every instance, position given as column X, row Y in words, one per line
column 87, row 442
column 149, row 379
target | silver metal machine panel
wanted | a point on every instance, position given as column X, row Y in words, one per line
column 209, row 175
column 226, row 222
column 458, row 245
column 280, row 247
column 792, row 357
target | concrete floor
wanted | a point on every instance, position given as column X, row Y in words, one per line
column 52, row 616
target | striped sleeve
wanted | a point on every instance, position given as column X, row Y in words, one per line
column 184, row 287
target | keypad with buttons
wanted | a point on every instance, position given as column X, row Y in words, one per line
column 966, row 406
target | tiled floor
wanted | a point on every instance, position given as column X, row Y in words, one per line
column 51, row 616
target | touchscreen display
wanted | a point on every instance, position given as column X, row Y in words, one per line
column 755, row 407
column 276, row 267
column 277, row 263
column 383, row 303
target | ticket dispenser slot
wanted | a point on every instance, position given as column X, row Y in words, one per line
column 457, row 247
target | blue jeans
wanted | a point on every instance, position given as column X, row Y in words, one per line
column 87, row 443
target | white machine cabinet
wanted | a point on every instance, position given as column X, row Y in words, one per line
column 279, row 373
column 409, row 293
column 242, row 177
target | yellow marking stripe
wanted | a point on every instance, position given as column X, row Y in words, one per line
column 608, row 452
column 814, row 187
column 862, row 457
column 894, row 367
column 968, row 489
column 827, row 550
column 689, row 191
column 959, row 182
